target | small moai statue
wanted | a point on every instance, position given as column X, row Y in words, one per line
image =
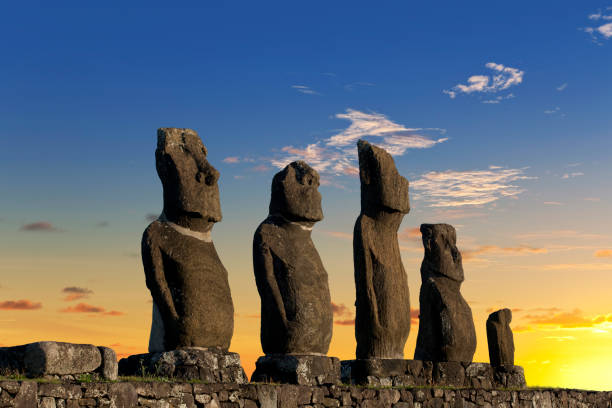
column 382, row 322
column 296, row 309
column 500, row 338
column 192, row 303
column 446, row 325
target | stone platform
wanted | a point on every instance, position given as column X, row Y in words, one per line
column 398, row 372
column 57, row 360
column 297, row 369
column 32, row 394
column 212, row 365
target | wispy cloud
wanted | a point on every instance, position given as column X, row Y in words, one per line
column 22, row 304
column 503, row 77
column 87, row 308
column 343, row 316
column 562, row 87
column 40, row 226
column 572, row 175
column 410, row 234
column 552, row 111
column 353, row 85
column 578, row 267
column 600, row 31
column 102, row 224
column 559, row 234
column 260, row 168
column 305, row 90
column 552, row 203
column 468, row 188
column 574, row 319
column 499, row 98
column 75, row 293
column 337, row 155
column 231, row 160
column 603, row 253
column 470, row 254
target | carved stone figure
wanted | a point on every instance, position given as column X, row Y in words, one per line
column 500, row 338
column 382, row 319
column 296, row 311
column 192, row 303
column 446, row 326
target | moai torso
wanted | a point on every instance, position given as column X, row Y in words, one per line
column 192, row 303
column 446, row 325
column 296, row 313
column 382, row 321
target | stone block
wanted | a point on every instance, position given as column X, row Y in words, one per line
column 108, row 367
column 212, row 365
column 449, row 373
column 57, row 358
column 297, row 369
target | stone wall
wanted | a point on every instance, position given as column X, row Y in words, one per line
column 31, row 394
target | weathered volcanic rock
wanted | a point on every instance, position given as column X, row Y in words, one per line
column 211, row 365
column 446, row 326
column 297, row 369
column 50, row 357
column 382, row 319
column 191, row 294
column 108, row 367
column 500, row 338
column 296, row 311
column 58, row 360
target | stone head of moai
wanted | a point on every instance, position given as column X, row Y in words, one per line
column 295, row 194
column 190, row 184
column 382, row 187
column 441, row 254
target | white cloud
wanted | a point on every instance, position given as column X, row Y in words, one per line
column 603, row 31
column 562, row 87
column 467, row 188
column 305, row 90
column 552, row 111
column 337, row 155
column 503, row 78
column 499, row 98
column 572, row 175
column 353, row 85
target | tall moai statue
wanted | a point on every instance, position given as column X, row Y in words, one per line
column 192, row 303
column 446, row 326
column 500, row 338
column 382, row 320
column 193, row 312
column 296, row 310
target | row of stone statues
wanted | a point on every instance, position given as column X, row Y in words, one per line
column 192, row 303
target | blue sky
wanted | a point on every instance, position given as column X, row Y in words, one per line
column 500, row 115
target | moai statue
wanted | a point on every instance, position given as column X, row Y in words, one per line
column 296, row 310
column 382, row 319
column 446, row 326
column 192, row 303
column 500, row 338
